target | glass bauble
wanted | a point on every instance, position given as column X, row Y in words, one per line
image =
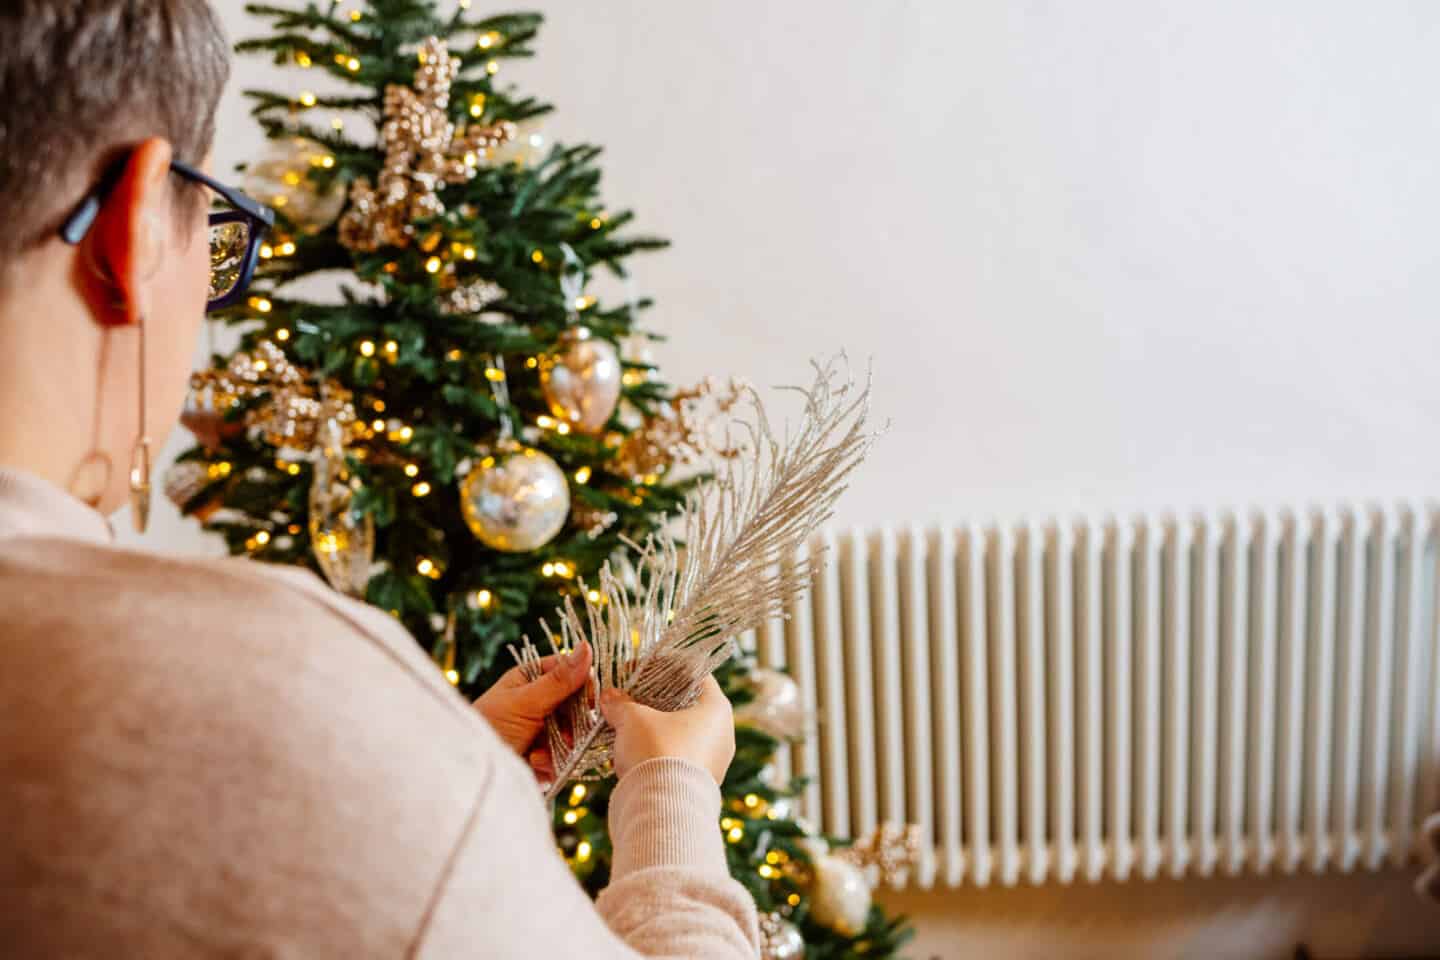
column 515, row 500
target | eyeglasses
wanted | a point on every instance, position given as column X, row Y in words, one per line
column 235, row 233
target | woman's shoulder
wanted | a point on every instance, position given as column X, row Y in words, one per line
column 231, row 731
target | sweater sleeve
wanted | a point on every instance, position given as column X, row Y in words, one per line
column 507, row 893
column 670, row 893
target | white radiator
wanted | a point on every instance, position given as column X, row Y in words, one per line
column 1125, row 699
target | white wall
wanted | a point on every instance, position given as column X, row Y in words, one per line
column 1116, row 255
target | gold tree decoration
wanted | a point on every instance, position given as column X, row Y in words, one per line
column 424, row 150
column 658, row 632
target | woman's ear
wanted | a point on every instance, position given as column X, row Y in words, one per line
column 130, row 232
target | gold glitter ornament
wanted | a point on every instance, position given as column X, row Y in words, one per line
column 515, row 499
column 891, row 849
column 424, row 151
column 681, row 432
column 779, row 938
column 289, row 411
column 281, row 178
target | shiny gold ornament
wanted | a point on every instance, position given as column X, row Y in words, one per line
column 423, row 152
column 581, row 380
column 186, row 480
column 281, row 178
column 343, row 544
column 516, row 499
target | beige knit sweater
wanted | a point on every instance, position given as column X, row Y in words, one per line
column 224, row 759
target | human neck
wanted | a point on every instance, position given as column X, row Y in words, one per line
column 50, row 356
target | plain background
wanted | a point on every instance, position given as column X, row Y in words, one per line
column 1121, row 256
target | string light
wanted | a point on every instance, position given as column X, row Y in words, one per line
column 355, row 16
column 406, row 433
column 411, row 470
column 632, row 378
column 266, row 251
column 492, row 68
column 452, row 676
column 426, row 568
column 352, row 65
column 582, row 852
column 537, row 256
column 293, row 528
column 367, row 348
column 469, row 253
column 532, row 362
column 337, row 123
column 307, row 99
column 392, row 348
column 420, row 489
column 735, row 834
column 768, row 872
column 562, row 428
column 548, row 570
column 595, row 596
column 772, row 857
column 261, row 366
column 582, row 475
column 262, row 538
column 545, row 422
column 379, row 426
column 483, row 599
column 282, row 334
column 577, row 794
column 596, row 223
column 293, row 469
column 571, row 816
column 219, row 470
column 793, row 899
column 453, row 355
column 287, row 248
column 379, row 406
column 261, row 304
column 302, row 58
column 584, row 303
column 432, row 265
column 487, row 40
column 494, row 374
column 751, row 800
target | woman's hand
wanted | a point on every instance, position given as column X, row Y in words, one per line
column 517, row 707
column 703, row 733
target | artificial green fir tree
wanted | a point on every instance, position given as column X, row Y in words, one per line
column 465, row 433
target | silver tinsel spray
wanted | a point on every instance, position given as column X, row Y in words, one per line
column 659, row 642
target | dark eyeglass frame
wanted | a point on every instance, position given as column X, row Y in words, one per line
column 246, row 210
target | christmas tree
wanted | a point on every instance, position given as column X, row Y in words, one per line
column 466, row 433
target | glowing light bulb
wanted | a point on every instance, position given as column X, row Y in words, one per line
column 307, row 99
column 582, row 852
column 411, row 470
column 483, row 599
column 420, row 489
column 425, row 567
column 432, row 265
column 352, row 64
column 367, row 348
column 391, row 347
column 494, row 374
column 266, row 251
column 582, row 475
column 537, row 256
column 262, row 538
column 453, row 677
column 302, row 58
column 596, row 223
column 287, row 248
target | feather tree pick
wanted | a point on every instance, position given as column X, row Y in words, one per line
column 670, row 618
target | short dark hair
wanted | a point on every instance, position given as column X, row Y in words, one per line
column 81, row 81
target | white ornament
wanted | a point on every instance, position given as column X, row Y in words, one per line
column 776, row 709
column 839, row 895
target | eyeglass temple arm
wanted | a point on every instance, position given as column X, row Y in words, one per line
column 79, row 222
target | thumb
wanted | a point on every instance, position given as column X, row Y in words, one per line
column 568, row 675
column 618, row 708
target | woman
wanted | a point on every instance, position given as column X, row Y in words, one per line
column 217, row 758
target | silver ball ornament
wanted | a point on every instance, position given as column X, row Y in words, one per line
column 515, row 500
column 776, row 708
column 779, row 938
column 581, row 380
column 281, row 178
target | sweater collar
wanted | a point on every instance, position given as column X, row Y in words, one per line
column 32, row 507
